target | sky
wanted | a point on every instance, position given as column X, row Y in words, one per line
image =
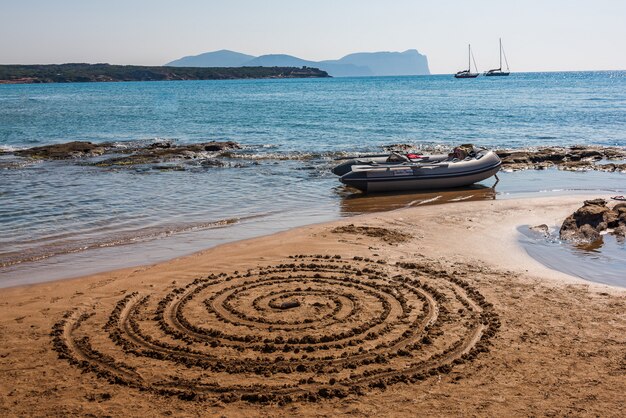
column 547, row 35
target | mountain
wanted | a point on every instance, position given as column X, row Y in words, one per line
column 360, row 64
column 409, row 62
column 277, row 60
column 223, row 58
column 336, row 69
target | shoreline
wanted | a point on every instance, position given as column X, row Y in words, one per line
column 141, row 250
column 542, row 314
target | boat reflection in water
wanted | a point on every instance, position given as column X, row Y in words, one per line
column 358, row 203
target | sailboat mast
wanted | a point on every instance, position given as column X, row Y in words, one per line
column 469, row 58
column 500, row 53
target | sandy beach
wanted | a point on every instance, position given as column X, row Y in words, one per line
column 431, row 310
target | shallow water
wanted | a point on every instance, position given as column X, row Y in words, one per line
column 60, row 219
column 604, row 262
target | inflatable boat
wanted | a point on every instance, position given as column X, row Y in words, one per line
column 397, row 172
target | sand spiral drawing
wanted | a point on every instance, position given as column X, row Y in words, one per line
column 312, row 327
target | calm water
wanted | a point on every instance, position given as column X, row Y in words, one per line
column 59, row 219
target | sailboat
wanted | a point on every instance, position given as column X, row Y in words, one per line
column 498, row 71
column 468, row 73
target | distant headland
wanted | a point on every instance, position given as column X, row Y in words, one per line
column 71, row 73
column 361, row 64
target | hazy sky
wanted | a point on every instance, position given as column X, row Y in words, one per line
column 547, row 35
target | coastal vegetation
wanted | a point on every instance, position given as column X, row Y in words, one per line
column 72, row 73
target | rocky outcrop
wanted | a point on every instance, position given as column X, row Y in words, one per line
column 156, row 153
column 160, row 152
column 75, row 149
column 594, row 217
column 576, row 158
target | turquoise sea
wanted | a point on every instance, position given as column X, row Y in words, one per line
column 60, row 219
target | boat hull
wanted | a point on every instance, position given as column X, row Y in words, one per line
column 416, row 177
column 470, row 75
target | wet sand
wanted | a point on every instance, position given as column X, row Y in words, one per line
column 428, row 310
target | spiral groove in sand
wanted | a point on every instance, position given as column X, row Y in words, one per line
column 310, row 328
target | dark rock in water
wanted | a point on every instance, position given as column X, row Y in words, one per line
column 160, row 153
column 611, row 219
column 168, row 167
column 514, row 157
column 620, row 233
column 220, row 146
column 160, row 144
column 211, row 162
column 398, row 147
column 541, row 229
column 611, row 167
column 576, row 158
column 592, row 213
column 64, row 151
column 156, row 152
column 587, row 233
column 593, row 217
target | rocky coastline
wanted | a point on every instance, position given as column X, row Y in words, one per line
column 574, row 158
column 110, row 154
column 213, row 154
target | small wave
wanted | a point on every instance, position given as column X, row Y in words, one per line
column 545, row 137
column 278, row 156
column 10, row 148
column 252, row 153
column 141, row 143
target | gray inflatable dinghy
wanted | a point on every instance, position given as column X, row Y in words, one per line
column 379, row 174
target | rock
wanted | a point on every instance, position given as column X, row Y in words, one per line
column 588, row 233
column 620, row 207
column 593, row 217
column 159, row 152
column 576, row 166
column 576, row 158
column 398, row 147
column 160, row 144
column 569, row 228
column 551, row 155
column 541, row 229
column 611, row 219
column 592, row 213
column 64, row 151
column 156, row 152
column 220, row 146
column 516, row 158
column 620, row 233
column 211, row 162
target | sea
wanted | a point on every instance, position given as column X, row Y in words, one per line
column 63, row 219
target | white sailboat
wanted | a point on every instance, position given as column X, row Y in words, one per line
column 498, row 71
column 468, row 73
